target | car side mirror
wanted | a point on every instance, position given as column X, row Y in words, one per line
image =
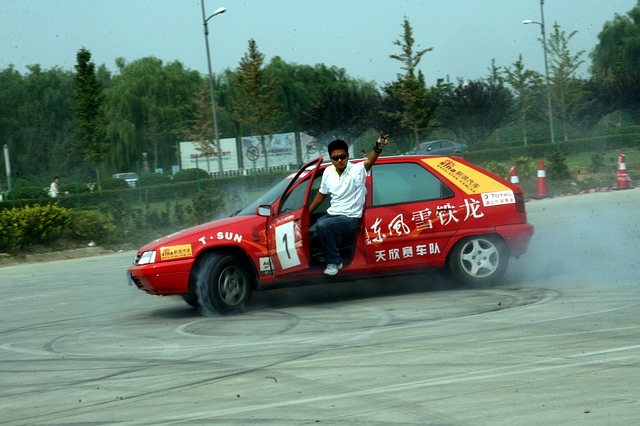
column 264, row 210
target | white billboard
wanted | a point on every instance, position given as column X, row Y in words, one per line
column 281, row 150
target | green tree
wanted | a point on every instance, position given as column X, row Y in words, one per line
column 37, row 123
column 149, row 105
column 616, row 61
column 90, row 117
column 256, row 106
column 475, row 108
column 203, row 132
column 567, row 90
column 418, row 105
column 527, row 86
column 341, row 110
column 296, row 85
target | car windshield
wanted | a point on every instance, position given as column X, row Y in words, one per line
column 267, row 198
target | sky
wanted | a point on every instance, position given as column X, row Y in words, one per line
column 357, row 35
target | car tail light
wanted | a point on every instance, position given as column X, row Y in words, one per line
column 520, row 203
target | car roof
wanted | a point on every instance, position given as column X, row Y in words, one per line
column 437, row 140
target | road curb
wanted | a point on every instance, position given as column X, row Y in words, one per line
column 569, row 194
column 58, row 255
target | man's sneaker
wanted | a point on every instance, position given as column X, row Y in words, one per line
column 332, row 268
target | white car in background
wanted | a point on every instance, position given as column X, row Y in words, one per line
column 131, row 178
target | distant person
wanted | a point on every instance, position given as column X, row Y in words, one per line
column 53, row 189
column 345, row 182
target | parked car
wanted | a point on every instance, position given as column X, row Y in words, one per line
column 421, row 213
column 131, row 178
column 439, row 147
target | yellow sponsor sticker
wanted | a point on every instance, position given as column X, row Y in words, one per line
column 469, row 180
column 175, row 252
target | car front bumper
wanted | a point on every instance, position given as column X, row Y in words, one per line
column 162, row 278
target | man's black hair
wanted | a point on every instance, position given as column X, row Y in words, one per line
column 338, row 144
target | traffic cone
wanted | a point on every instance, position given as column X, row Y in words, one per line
column 623, row 181
column 513, row 176
column 541, row 185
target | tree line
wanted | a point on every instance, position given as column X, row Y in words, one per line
column 92, row 120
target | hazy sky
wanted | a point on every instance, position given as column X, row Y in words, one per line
column 356, row 35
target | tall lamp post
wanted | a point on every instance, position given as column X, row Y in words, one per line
column 546, row 69
column 205, row 21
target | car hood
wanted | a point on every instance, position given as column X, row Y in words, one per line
column 189, row 235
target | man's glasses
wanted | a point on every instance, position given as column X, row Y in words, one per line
column 339, row 157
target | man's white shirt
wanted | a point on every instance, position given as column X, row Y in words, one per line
column 53, row 189
column 348, row 191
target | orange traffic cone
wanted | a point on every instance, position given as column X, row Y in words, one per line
column 623, row 181
column 513, row 176
column 541, row 186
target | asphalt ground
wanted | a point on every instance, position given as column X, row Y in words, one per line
column 555, row 343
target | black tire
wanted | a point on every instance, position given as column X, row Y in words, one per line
column 225, row 284
column 191, row 299
column 479, row 261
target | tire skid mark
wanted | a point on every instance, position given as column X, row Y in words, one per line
column 491, row 373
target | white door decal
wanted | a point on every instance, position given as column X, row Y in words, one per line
column 286, row 245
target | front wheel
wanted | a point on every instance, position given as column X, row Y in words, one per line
column 479, row 261
column 225, row 285
column 191, row 299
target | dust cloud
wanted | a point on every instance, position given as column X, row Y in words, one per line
column 590, row 238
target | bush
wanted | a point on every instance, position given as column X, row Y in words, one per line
column 73, row 189
column 207, row 204
column 22, row 227
column 188, row 175
column 597, row 163
column 524, row 167
column 90, row 225
column 113, row 183
column 30, row 193
column 497, row 168
column 152, row 179
column 556, row 166
column 157, row 219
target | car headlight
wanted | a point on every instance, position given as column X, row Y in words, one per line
column 147, row 257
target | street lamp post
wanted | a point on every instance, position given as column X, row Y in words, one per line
column 205, row 21
column 546, row 69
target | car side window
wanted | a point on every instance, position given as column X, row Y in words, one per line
column 294, row 200
column 433, row 146
column 406, row 183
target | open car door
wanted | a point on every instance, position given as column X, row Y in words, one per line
column 288, row 225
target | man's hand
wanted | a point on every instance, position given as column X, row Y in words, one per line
column 383, row 140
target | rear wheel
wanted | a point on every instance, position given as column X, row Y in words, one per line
column 225, row 285
column 479, row 261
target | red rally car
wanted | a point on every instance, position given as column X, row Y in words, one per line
column 420, row 213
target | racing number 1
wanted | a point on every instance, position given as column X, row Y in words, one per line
column 286, row 245
column 285, row 238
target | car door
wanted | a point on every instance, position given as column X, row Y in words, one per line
column 432, row 148
column 288, row 225
column 446, row 148
column 411, row 218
